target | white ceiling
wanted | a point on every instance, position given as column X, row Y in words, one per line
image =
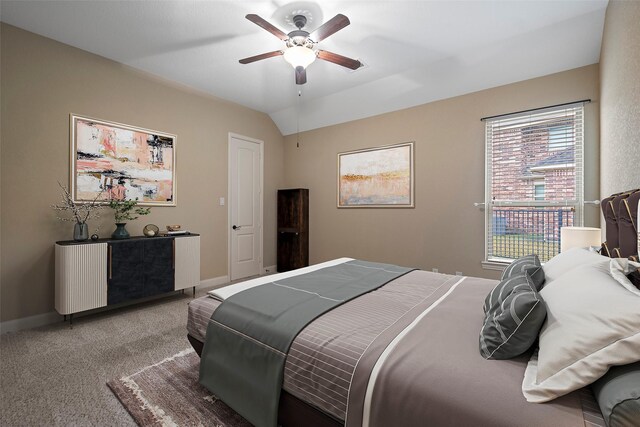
column 414, row 51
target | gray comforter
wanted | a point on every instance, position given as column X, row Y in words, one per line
column 427, row 367
column 446, row 379
column 249, row 335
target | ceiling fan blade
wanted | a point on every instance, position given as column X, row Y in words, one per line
column 261, row 57
column 353, row 64
column 332, row 26
column 301, row 75
column 267, row 26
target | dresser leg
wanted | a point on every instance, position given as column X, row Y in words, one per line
column 194, row 292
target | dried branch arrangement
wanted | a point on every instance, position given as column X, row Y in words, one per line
column 80, row 212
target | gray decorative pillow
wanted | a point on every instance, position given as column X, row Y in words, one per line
column 513, row 320
column 530, row 264
column 526, row 264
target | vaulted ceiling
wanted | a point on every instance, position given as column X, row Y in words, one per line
column 414, row 51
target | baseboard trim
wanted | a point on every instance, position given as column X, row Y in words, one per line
column 214, row 282
column 44, row 319
column 30, row 322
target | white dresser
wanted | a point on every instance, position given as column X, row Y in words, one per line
column 105, row 272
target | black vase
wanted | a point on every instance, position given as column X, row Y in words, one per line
column 80, row 231
column 121, row 232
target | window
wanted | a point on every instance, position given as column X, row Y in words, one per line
column 534, row 181
column 538, row 191
column 560, row 137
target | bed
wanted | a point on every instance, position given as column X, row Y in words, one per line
column 404, row 353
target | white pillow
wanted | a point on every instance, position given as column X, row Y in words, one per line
column 568, row 260
column 593, row 322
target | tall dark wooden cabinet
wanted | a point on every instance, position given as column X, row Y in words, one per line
column 293, row 229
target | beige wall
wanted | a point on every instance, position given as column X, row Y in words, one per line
column 620, row 98
column 444, row 230
column 42, row 82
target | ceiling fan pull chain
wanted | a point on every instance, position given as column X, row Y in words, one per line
column 298, row 120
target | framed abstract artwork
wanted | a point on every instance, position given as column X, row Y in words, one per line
column 376, row 177
column 122, row 162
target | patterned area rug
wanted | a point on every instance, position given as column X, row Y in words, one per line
column 168, row 394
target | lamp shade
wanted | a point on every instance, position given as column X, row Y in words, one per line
column 579, row 237
column 299, row 56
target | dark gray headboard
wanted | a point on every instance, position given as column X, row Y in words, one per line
column 622, row 231
column 621, row 217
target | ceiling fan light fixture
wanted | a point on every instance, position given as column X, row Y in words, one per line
column 299, row 44
column 299, row 56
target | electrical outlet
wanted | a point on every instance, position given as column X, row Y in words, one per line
column 221, row 201
column 269, row 270
column 458, row 273
column 435, row 270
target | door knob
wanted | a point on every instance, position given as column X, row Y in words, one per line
column 236, row 227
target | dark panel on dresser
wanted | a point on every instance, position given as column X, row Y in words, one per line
column 125, row 271
column 293, row 229
column 159, row 264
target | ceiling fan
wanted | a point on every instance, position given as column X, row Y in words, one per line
column 299, row 50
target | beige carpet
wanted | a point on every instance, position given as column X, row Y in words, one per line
column 168, row 394
column 56, row 376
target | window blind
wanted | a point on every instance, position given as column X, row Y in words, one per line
column 534, row 180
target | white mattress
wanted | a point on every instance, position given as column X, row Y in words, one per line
column 225, row 292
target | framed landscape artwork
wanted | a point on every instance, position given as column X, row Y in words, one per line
column 123, row 162
column 376, row 177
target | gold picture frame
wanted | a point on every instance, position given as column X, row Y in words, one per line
column 122, row 162
column 380, row 177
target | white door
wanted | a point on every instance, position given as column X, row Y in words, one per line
column 245, row 212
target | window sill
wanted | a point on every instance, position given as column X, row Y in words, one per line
column 494, row 265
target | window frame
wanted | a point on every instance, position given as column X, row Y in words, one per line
column 577, row 204
column 537, row 184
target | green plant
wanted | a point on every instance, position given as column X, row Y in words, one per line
column 126, row 210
